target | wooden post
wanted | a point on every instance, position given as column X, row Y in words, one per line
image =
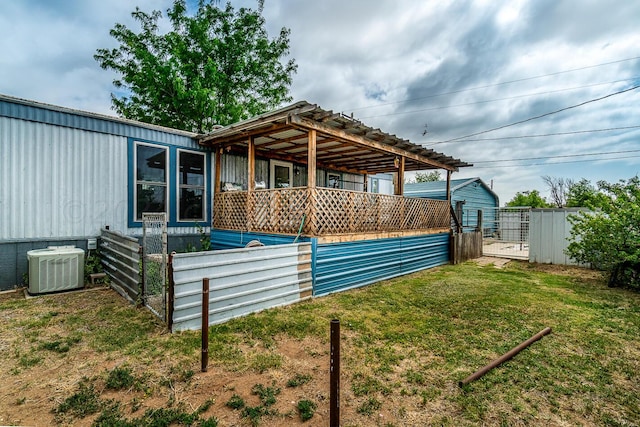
column 311, row 182
column 449, row 187
column 251, row 180
column 205, row 325
column 218, row 184
column 311, row 159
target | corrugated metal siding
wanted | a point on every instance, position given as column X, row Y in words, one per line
column 476, row 198
column 228, row 239
column 91, row 122
column 549, row 233
column 342, row 266
column 60, row 182
column 242, row 281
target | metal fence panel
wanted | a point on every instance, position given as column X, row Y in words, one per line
column 506, row 232
column 154, row 263
column 120, row 258
column 550, row 230
column 242, row 281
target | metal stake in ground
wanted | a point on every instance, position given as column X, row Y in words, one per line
column 205, row 324
column 334, row 386
column 505, row 357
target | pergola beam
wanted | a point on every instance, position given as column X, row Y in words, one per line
column 296, row 120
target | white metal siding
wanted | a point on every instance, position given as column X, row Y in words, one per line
column 243, row 281
column 549, row 231
column 60, row 182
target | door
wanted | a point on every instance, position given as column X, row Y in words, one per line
column 281, row 174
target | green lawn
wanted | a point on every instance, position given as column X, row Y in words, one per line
column 405, row 345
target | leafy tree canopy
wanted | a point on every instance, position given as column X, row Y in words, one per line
column 427, row 176
column 213, row 68
column 583, row 194
column 609, row 238
column 529, row 198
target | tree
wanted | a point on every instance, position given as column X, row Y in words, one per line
column 609, row 239
column 427, row 176
column 583, row 194
column 213, row 68
column 528, row 198
column 558, row 189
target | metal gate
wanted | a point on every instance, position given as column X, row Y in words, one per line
column 506, row 232
column 154, row 263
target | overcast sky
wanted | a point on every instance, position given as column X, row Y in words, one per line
column 428, row 71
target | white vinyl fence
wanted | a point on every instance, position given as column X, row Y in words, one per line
column 549, row 231
column 242, row 281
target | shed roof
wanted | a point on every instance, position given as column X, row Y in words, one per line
column 426, row 189
column 343, row 143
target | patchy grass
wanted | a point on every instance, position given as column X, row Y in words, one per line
column 405, row 345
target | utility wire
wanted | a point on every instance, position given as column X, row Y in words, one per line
column 556, row 163
column 557, row 157
column 494, row 84
column 444, row 107
column 535, row 117
column 575, row 132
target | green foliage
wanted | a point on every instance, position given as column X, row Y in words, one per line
column 583, row 194
column 529, row 198
column 216, row 67
column 120, row 378
column 61, row 345
column 609, row 239
column 427, row 176
column 298, row 380
column 369, row 406
column 267, row 395
column 92, row 265
column 235, row 402
column 306, row 409
column 85, row 401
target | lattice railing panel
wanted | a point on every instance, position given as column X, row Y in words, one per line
column 326, row 211
column 279, row 211
column 230, row 210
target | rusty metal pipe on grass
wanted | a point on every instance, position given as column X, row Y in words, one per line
column 508, row 355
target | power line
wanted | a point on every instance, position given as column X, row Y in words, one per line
column 556, row 163
column 535, row 117
column 444, row 107
column 575, row 132
column 558, row 157
column 494, row 84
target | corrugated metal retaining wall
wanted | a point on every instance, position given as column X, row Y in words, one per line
column 243, row 281
column 549, row 231
column 342, row 266
column 229, row 239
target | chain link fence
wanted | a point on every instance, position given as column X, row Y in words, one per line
column 154, row 263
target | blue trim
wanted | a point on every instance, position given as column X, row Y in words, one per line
column 172, row 184
column 231, row 239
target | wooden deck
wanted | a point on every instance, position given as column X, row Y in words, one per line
column 326, row 212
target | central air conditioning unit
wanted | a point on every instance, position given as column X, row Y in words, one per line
column 57, row 268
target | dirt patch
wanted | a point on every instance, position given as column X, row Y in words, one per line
column 489, row 260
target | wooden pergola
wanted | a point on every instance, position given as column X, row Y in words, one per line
column 303, row 133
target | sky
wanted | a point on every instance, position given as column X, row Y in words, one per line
column 556, row 76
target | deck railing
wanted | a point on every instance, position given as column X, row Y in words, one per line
column 326, row 211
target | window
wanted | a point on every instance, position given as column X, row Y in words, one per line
column 191, row 186
column 333, row 180
column 375, row 185
column 151, row 179
column 281, row 174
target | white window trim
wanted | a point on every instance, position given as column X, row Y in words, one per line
column 272, row 172
column 181, row 186
column 135, row 178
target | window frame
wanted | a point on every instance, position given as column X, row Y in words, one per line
column 166, row 183
column 204, row 187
